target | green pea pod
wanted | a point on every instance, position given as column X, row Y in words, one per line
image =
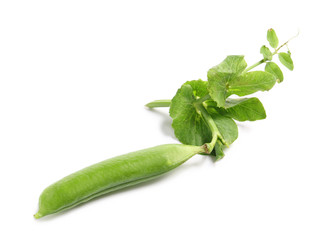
column 113, row 174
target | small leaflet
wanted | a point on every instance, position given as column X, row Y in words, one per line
column 267, row 54
column 272, row 38
column 286, row 60
column 274, row 69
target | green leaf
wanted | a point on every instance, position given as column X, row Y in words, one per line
column 244, row 109
column 272, row 38
column 227, row 127
column 286, row 60
column 188, row 124
column 274, row 69
column 267, row 54
column 218, row 149
column 225, row 124
column 219, row 76
column 199, row 87
column 251, row 82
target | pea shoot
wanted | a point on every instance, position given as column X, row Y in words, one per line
column 205, row 112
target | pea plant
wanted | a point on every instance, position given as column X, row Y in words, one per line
column 205, row 112
column 204, row 117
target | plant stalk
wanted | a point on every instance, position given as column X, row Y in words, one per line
column 203, row 99
column 254, row 65
column 159, row 103
column 214, row 129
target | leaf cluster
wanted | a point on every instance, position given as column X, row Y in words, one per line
column 207, row 111
column 228, row 78
column 284, row 57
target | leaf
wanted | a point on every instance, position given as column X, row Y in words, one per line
column 188, row 124
column 286, row 60
column 267, row 54
column 232, row 65
column 218, row 149
column 225, row 124
column 274, row 69
column 210, row 103
column 252, row 82
column 227, row 127
column 244, row 109
column 199, row 87
column 272, row 38
column 220, row 75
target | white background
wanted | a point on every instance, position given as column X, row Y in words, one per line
column 74, row 78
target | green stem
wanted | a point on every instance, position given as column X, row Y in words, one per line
column 159, row 103
column 214, row 129
column 203, row 99
column 255, row 65
column 276, row 51
column 167, row 102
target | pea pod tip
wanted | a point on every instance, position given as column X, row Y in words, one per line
column 38, row 215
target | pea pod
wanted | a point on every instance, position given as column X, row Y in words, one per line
column 113, row 174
